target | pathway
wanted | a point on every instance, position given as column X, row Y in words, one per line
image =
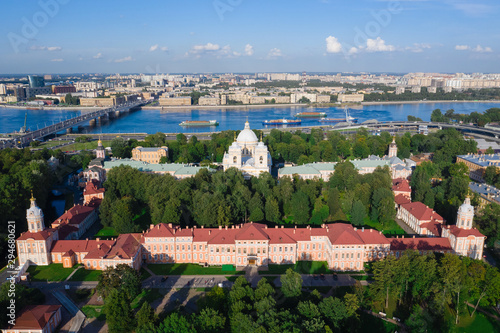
column 78, row 316
column 405, row 227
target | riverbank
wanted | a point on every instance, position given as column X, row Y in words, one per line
column 426, row 102
column 54, row 108
column 218, row 107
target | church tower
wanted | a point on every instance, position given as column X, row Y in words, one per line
column 34, row 216
column 393, row 148
column 100, row 151
column 465, row 215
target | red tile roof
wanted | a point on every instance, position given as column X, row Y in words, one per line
column 75, row 215
column 434, row 227
column 458, row 232
column 159, row 230
column 35, row 317
column 422, row 212
column 279, row 236
column 343, row 234
column 401, row 185
column 78, row 246
column 421, row 244
column 401, row 199
column 251, row 231
column 371, row 236
column 92, row 188
column 41, row 235
column 126, row 246
column 65, row 230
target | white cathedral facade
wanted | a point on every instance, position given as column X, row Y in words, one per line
column 248, row 154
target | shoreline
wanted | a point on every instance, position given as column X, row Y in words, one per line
column 427, row 102
column 53, row 108
column 175, row 108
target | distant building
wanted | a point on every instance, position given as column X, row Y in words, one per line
column 3, row 89
column 400, row 90
column 248, row 154
column 32, row 92
column 36, row 319
column 102, row 101
column 63, row 89
column 351, row 98
column 483, row 146
column 149, row 154
column 175, row 101
column 36, row 81
column 416, row 90
column 477, row 164
column 487, row 194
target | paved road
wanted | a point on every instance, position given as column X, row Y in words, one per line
column 78, row 316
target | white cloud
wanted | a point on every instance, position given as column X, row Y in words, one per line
column 153, row 48
column 274, row 53
column 333, row 45
column 164, row 48
column 248, row 50
column 478, row 48
column 378, row 45
column 208, row 47
column 129, row 58
column 57, row 60
column 481, row 49
column 418, row 47
column 98, row 56
column 353, row 50
column 46, row 48
column 213, row 50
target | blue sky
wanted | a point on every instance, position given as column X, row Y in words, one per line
column 164, row 36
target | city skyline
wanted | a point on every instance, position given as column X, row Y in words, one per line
column 56, row 36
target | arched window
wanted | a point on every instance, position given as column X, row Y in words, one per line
column 234, row 159
column 261, row 159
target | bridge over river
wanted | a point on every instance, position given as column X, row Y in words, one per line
column 115, row 111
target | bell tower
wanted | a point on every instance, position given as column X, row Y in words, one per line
column 393, row 148
column 465, row 215
column 34, row 216
column 100, row 152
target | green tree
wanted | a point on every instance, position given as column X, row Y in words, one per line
column 119, row 315
column 209, row 320
column 120, row 148
column 175, row 323
column 145, row 316
column 358, row 213
column 291, row 283
column 334, row 310
column 123, row 278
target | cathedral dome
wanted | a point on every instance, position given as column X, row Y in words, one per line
column 247, row 136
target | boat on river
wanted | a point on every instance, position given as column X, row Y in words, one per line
column 283, row 121
column 311, row 115
column 199, row 123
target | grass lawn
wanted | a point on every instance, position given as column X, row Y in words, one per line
column 49, row 144
column 106, row 232
column 52, row 272
column 302, row 267
column 390, row 229
column 94, row 311
column 147, row 295
column 188, row 269
column 85, row 145
column 144, row 274
column 371, row 324
column 86, row 275
column 478, row 323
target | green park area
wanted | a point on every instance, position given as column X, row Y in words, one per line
column 52, row 272
column 86, row 275
column 302, row 267
column 191, row 269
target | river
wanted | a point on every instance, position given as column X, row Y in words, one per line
column 152, row 121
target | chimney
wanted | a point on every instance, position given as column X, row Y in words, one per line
column 195, row 227
column 265, row 227
column 226, row 227
column 413, row 236
column 158, row 226
column 232, row 227
column 294, row 231
column 202, row 226
column 220, row 227
column 355, row 229
column 380, row 232
column 282, row 226
column 209, row 232
column 170, row 225
column 99, row 246
column 275, row 227
column 97, row 239
column 151, row 226
column 371, row 230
